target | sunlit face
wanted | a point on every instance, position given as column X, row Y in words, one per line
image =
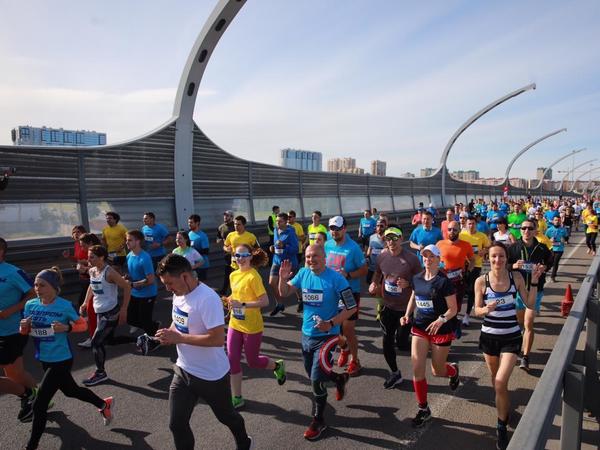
column 95, row 260
column 497, row 257
column 393, row 242
column 337, row 233
column 76, row 235
column 430, row 261
column 449, row 215
column 193, row 225
column 131, row 242
column 427, row 220
column 281, row 223
column 556, row 221
column 453, row 230
column 291, row 219
column 110, row 220
column 315, row 258
column 180, row 241
column 239, row 226
column 320, row 240
column 149, row 221
column 527, row 229
column 367, row 214
column 43, row 289
column 242, row 256
column 471, row 225
column 226, row 218
column 315, row 218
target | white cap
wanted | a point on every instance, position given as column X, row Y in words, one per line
column 336, row 221
column 433, row 249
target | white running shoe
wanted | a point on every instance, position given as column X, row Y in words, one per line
column 465, row 320
column 85, row 344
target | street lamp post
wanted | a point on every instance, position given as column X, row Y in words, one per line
column 541, row 183
column 572, row 173
column 582, row 175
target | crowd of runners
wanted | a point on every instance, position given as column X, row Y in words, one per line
column 493, row 257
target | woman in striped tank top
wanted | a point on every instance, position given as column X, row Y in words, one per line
column 500, row 340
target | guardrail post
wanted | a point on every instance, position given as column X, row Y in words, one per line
column 251, row 192
column 83, row 207
column 572, row 408
column 590, row 355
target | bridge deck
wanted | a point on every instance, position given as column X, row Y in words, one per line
column 370, row 417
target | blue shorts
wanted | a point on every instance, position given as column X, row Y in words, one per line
column 317, row 363
column 538, row 302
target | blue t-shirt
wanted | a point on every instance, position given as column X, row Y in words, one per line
column 139, row 267
column 290, row 246
column 483, row 226
column 13, row 284
column 157, row 233
column 321, row 296
column 550, row 215
column 367, row 226
column 421, row 236
column 493, row 217
column 200, row 242
column 557, row 234
column 50, row 346
column 376, row 244
column 348, row 256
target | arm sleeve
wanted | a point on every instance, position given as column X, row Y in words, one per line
column 212, row 311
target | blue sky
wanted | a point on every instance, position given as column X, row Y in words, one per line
column 390, row 80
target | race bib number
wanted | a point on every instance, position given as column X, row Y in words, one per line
column 454, row 274
column 42, row 332
column 392, row 288
column 501, row 301
column 180, row 319
column 528, row 267
column 312, row 297
column 367, row 225
column 475, row 249
column 312, row 236
column 278, row 251
column 97, row 287
column 239, row 313
column 149, row 238
column 347, row 299
column 424, row 303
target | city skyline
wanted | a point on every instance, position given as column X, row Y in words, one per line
column 396, row 79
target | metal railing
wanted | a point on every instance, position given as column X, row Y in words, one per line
column 569, row 374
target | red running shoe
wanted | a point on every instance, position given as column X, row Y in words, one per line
column 314, row 430
column 343, row 359
column 353, row 368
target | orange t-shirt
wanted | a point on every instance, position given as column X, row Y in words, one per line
column 455, row 254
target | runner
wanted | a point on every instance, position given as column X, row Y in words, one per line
column 434, row 304
column 224, row 229
column 376, row 245
column 566, row 219
column 103, row 294
column 238, row 237
column 425, row 234
column 328, row 302
column 16, row 288
column 392, row 281
column 345, row 257
column 271, row 225
column 184, row 248
column 500, row 340
column 200, row 242
column 321, row 238
column 590, row 220
column 156, row 236
column 48, row 319
column 366, row 228
column 285, row 247
column 315, row 227
column 143, row 290
column 79, row 257
column 558, row 234
column 86, row 241
column 523, row 256
column 480, row 243
column 417, row 217
column 301, row 244
column 113, row 239
column 444, row 224
column 503, row 234
column 246, row 324
column 202, row 368
column 515, row 219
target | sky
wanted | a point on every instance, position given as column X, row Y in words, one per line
column 370, row 79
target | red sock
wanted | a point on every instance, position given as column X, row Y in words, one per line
column 421, row 391
column 450, row 370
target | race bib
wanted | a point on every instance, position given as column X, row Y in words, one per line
column 528, row 267
column 278, row 251
column 501, row 301
column 392, row 288
column 180, row 319
column 239, row 313
column 376, row 251
column 41, row 332
column 424, row 303
column 312, row 297
column 149, row 238
column 475, row 249
column 454, row 274
column 97, row 287
column 312, row 236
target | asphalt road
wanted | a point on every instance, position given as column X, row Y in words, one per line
column 369, row 417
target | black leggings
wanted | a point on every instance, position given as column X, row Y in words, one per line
column 106, row 324
column 556, row 260
column 590, row 241
column 389, row 320
column 139, row 314
column 57, row 376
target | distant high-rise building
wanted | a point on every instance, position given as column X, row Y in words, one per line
column 301, row 160
column 540, row 172
column 407, row 175
column 378, row 168
column 27, row 135
column 344, row 165
column 427, row 172
column 466, row 175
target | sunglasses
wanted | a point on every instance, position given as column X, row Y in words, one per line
column 453, row 229
column 392, row 237
column 242, row 255
column 334, row 228
column 527, row 228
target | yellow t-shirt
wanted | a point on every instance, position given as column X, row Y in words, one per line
column 584, row 214
column 542, row 226
column 543, row 239
column 300, row 234
column 591, row 221
column 234, row 239
column 115, row 238
column 246, row 287
column 313, row 231
column 478, row 241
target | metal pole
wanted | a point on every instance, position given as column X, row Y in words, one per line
column 572, row 172
column 540, row 185
column 572, row 410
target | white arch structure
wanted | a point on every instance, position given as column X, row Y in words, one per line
column 572, row 171
column 540, row 184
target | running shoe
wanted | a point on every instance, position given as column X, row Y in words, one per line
column 353, row 368
column 343, row 359
column 147, row 344
column 524, row 364
column 393, row 380
column 423, row 415
column 465, row 320
column 454, row 381
column 502, row 434
column 85, row 344
column 341, row 380
column 96, row 378
column 315, row 429
column 26, row 411
column 279, row 307
column 237, row 402
column 280, row 371
column 107, row 412
column 553, row 279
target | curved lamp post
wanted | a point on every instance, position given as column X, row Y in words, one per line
column 525, row 149
column 572, row 172
column 540, row 185
column 466, row 125
column 581, row 176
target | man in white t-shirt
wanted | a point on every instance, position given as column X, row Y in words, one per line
column 202, row 368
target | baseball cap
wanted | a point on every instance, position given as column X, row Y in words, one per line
column 463, row 214
column 433, row 249
column 393, row 230
column 228, row 212
column 337, row 221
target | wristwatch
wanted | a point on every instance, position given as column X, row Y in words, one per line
column 244, row 304
column 443, row 319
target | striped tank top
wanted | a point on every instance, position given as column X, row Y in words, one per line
column 502, row 322
column 105, row 292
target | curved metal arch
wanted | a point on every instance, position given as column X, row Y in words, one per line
column 526, row 148
column 185, row 102
column 581, row 176
column 572, row 171
column 539, row 185
column 470, row 121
